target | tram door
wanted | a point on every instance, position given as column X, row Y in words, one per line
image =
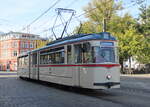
column 82, row 57
column 34, row 66
column 78, row 62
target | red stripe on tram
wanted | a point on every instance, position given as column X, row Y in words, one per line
column 84, row 65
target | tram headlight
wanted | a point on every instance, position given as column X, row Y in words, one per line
column 109, row 77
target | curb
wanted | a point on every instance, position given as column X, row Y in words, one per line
column 137, row 75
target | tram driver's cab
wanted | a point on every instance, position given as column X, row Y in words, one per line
column 96, row 52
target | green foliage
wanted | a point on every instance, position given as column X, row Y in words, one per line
column 144, row 53
column 145, row 14
column 129, row 43
column 88, row 27
column 102, row 9
column 120, row 24
column 143, row 26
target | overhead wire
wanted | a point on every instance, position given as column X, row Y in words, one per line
column 42, row 14
column 72, row 19
column 70, row 4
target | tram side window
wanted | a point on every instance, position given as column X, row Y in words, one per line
column 41, row 59
column 19, row 62
column 34, row 59
column 44, row 59
column 78, row 53
column 87, row 53
column 53, row 56
column 23, row 61
column 69, row 59
column 59, row 57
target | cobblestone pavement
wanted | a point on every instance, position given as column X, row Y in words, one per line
column 14, row 92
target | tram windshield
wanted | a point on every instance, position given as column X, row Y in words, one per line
column 103, row 54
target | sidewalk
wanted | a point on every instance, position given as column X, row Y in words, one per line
column 4, row 74
column 8, row 72
column 137, row 75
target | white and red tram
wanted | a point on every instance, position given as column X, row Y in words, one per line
column 85, row 60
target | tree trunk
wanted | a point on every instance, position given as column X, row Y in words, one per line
column 121, row 63
column 130, row 71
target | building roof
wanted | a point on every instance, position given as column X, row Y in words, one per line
column 11, row 32
column 19, row 35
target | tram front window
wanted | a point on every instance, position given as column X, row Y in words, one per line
column 103, row 54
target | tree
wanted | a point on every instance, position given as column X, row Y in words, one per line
column 143, row 26
column 120, row 24
column 129, row 45
column 102, row 9
column 87, row 27
column 98, row 10
column 143, row 55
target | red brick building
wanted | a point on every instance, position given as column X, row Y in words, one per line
column 11, row 45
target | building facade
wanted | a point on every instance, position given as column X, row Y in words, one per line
column 134, row 63
column 13, row 44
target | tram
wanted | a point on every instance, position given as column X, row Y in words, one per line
column 82, row 60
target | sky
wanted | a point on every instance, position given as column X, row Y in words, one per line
column 17, row 14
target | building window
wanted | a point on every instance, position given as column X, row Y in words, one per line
column 15, row 53
column 4, row 53
column 22, row 44
column 14, row 44
column 26, row 45
column 22, row 51
column 31, row 45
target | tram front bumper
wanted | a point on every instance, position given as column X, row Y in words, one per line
column 107, row 84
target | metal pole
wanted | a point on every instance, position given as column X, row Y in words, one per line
column 104, row 25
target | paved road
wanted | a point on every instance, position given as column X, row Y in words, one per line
column 14, row 92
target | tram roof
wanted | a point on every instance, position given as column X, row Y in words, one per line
column 78, row 38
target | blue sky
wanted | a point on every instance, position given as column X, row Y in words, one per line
column 16, row 14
